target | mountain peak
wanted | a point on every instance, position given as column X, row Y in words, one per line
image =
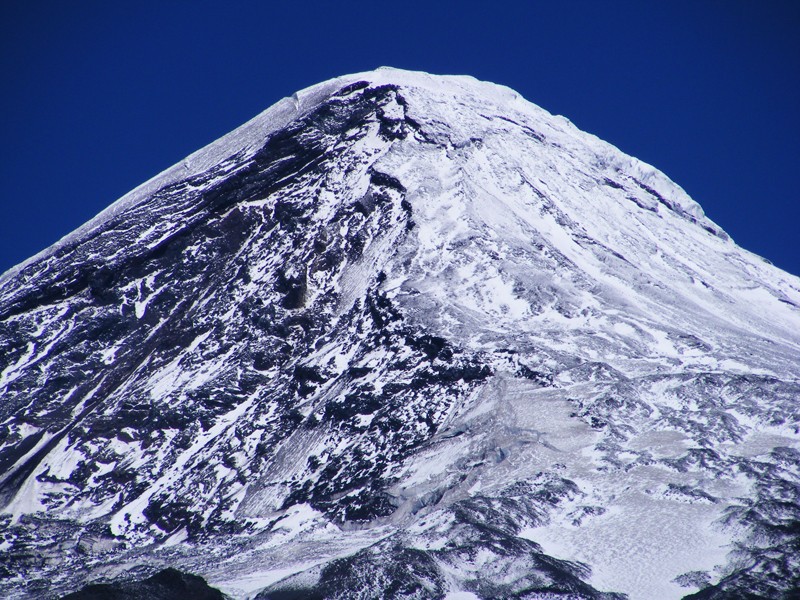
column 401, row 324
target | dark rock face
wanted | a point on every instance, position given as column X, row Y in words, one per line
column 401, row 337
column 174, row 274
column 168, row 584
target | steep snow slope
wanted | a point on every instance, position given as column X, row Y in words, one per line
column 409, row 335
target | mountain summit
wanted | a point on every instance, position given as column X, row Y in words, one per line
column 402, row 336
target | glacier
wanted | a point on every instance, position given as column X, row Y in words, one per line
column 404, row 336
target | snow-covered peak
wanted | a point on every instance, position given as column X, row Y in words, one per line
column 402, row 332
column 438, row 96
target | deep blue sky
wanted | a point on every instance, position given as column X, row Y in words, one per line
column 99, row 96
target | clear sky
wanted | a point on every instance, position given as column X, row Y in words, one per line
column 99, row 96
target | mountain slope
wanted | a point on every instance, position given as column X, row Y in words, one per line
column 409, row 335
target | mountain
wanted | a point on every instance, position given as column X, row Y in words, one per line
column 402, row 336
